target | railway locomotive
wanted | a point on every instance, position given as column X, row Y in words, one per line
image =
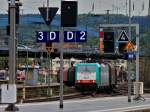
column 91, row 76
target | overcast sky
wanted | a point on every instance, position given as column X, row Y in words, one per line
column 84, row 6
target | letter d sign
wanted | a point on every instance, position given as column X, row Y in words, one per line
column 69, row 36
column 53, row 36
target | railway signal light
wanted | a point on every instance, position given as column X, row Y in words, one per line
column 108, row 42
column 8, row 29
column 17, row 15
column 69, row 13
column 49, row 47
column 122, row 48
column 18, row 4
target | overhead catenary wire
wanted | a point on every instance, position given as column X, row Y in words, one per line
column 120, row 6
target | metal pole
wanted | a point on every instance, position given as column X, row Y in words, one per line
column 47, row 78
column 12, row 44
column 49, row 75
column 129, row 83
column 27, row 61
column 42, row 58
column 126, row 8
column 12, row 51
column 137, row 95
column 129, row 78
column 137, row 53
column 61, row 68
column 108, row 20
column 47, row 14
column 51, row 90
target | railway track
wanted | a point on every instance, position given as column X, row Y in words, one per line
column 79, row 95
column 68, row 96
column 53, row 98
column 121, row 90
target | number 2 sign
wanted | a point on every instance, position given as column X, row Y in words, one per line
column 75, row 36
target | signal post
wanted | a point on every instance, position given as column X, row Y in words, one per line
column 49, row 49
column 9, row 91
column 129, row 45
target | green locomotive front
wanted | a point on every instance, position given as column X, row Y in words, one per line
column 93, row 76
column 87, row 76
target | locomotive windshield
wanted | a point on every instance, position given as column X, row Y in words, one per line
column 86, row 73
column 87, row 69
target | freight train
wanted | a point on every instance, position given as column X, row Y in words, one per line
column 91, row 76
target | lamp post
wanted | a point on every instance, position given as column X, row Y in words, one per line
column 12, row 52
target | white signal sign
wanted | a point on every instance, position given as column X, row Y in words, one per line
column 123, row 37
